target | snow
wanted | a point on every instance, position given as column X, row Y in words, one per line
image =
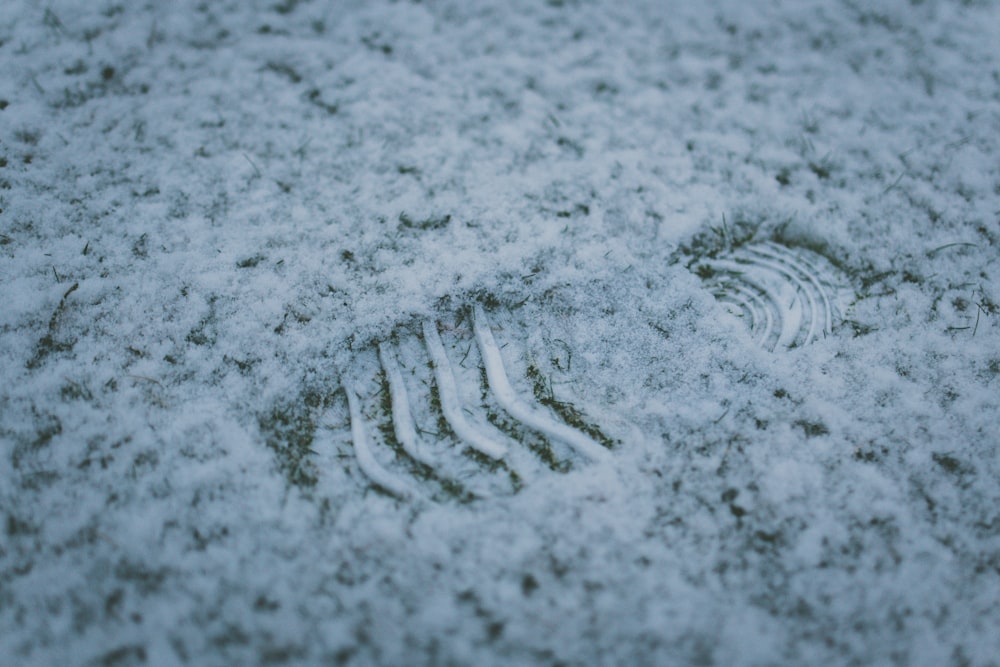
column 213, row 212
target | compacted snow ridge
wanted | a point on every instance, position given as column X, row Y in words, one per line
column 451, row 404
column 540, row 332
column 790, row 295
column 515, row 406
column 402, row 420
column 366, row 461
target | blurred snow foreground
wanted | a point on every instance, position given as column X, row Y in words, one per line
column 439, row 333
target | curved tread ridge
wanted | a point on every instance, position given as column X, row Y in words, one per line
column 811, row 273
column 810, row 312
column 451, row 406
column 402, row 419
column 508, row 399
column 789, row 296
column 372, row 468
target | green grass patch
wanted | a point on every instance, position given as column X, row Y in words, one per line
column 289, row 430
column 566, row 411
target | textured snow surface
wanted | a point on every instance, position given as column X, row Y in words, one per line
column 212, row 214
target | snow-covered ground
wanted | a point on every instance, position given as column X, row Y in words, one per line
column 213, row 213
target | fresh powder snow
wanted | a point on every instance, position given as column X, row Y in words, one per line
column 500, row 333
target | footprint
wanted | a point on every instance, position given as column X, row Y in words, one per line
column 788, row 296
column 455, row 409
column 437, row 414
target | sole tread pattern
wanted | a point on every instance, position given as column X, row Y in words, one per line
column 478, row 415
column 433, row 412
column 788, row 296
